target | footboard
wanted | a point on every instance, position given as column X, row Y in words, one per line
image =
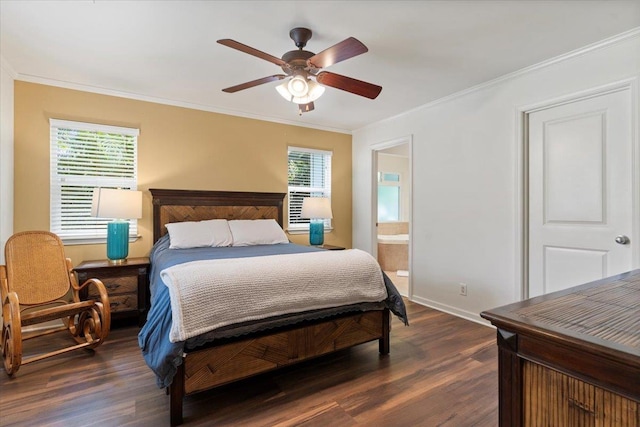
column 222, row 364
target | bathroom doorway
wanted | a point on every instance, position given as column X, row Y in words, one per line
column 392, row 211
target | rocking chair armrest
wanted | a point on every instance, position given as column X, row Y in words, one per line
column 102, row 290
column 4, row 284
column 11, row 308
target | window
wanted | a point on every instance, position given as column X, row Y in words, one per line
column 84, row 156
column 388, row 197
column 309, row 176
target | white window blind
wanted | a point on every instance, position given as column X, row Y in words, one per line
column 309, row 176
column 84, row 156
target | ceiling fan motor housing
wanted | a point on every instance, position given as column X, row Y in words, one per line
column 300, row 36
column 297, row 60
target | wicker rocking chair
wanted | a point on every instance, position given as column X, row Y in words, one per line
column 34, row 286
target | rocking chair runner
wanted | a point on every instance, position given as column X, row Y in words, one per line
column 33, row 286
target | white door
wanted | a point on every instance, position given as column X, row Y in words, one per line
column 580, row 192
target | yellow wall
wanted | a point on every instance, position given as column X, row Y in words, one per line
column 177, row 148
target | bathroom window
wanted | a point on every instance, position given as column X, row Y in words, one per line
column 388, row 197
column 390, row 177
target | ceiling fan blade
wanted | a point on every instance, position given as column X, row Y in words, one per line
column 346, row 49
column 348, row 84
column 253, row 83
column 251, row 51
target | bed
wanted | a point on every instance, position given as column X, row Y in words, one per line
column 236, row 351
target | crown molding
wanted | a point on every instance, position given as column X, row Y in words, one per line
column 622, row 37
column 176, row 103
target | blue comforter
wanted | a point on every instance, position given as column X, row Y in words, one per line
column 163, row 356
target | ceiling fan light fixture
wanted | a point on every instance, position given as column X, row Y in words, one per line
column 298, row 86
column 284, row 91
column 314, row 91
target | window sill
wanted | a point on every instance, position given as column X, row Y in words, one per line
column 71, row 241
column 305, row 231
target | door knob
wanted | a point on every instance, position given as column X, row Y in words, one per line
column 621, row 239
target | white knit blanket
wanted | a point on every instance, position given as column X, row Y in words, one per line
column 206, row 295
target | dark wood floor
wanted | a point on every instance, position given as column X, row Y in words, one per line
column 442, row 371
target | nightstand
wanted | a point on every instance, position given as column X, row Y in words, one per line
column 331, row 247
column 126, row 284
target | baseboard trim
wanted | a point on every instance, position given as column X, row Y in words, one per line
column 467, row 315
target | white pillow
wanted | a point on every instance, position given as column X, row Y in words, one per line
column 256, row 232
column 199, row 234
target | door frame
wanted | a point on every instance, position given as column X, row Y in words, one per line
column 374, row 149
column 522, row 113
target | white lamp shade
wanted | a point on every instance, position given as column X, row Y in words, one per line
column 298, row 86
column 315, row 91
column 284, row 91
column 316, row 207
column 116, row 204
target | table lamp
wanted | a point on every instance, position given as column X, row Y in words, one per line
column 119, row 205
column 317, row 209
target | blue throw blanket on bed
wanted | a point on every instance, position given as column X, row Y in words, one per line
column 159, row 352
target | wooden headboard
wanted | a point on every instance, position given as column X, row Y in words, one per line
column 197, row 205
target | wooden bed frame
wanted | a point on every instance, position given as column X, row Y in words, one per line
column 234, row 359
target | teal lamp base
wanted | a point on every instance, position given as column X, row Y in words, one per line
column 117, row 241
column 316, row 232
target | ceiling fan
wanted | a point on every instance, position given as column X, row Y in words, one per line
column 303, row 67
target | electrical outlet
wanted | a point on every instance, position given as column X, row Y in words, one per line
column 463, row 289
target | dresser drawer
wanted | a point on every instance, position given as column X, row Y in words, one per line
column 126, row 302
column 117, row 285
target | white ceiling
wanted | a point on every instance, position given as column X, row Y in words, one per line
column 419, row 51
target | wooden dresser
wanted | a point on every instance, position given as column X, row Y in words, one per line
column 571, row 358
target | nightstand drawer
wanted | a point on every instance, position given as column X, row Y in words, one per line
column 126, row 302
column 117, row 285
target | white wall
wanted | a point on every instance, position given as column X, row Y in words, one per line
column 465, row 188
column 6, row 154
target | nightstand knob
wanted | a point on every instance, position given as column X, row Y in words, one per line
column 111, row 286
